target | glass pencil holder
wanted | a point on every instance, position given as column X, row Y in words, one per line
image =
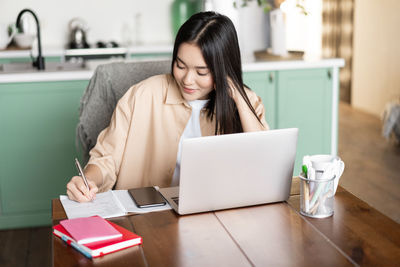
column 316, row 197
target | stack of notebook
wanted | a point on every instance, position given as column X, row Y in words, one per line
column 95, row 236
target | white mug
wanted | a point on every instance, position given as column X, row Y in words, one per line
column 326, row 166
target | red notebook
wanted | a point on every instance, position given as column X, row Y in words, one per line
column 96, row 249
column 90, row 229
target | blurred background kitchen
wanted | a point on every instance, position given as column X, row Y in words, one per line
column 361, row 32
column 122, row 20
column 79, row 35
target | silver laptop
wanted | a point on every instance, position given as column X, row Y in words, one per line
column 234, row 170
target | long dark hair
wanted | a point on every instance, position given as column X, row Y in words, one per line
column 216, row 37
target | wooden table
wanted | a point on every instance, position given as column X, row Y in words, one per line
column 265, row 235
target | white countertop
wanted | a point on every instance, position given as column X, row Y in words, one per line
column 248, row 65
column 292, row 64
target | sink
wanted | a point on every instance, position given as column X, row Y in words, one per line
column 27, row 67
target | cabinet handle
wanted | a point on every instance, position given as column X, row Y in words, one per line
column 271, row 77
column 329, row 74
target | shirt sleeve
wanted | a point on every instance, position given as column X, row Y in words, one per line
column 108, row 152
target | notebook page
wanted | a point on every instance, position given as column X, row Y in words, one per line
column 105, row 205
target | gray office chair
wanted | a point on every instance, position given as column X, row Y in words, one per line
column 107, row 85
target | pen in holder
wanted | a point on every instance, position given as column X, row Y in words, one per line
column 316, row 196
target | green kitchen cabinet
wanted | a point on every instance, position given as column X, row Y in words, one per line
column 304, row 101
column 300, row 99
column 37, row 121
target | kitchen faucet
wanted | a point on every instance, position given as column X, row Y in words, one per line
column 39, row 62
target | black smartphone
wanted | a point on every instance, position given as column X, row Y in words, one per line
column 146, row 197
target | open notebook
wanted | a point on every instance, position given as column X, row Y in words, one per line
column 113, row 203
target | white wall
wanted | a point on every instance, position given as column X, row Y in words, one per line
column 107, row 19
column 303, row 33
column 117, row 20
column 376, row 62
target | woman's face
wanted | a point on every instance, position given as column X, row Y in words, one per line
column 191, row 73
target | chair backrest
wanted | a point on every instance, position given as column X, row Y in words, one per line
column 107, row 85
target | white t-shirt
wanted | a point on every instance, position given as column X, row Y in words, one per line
column 192, row 130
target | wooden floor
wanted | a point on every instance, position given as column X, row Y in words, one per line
column 372, row 173
column 26, row 247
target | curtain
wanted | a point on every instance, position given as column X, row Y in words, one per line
column 337, row 39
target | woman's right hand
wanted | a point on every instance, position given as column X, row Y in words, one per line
column 76, row 190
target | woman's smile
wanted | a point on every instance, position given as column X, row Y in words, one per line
column 189, row 90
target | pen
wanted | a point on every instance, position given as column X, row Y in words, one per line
column 306, row 196
column 328, row 172
column 78, row 166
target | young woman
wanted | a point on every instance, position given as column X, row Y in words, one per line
column 203, row 95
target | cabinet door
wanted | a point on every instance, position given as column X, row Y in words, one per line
column 304, row 100
column 37, row 144
column 263, row 84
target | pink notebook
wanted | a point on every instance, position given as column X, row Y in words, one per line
column 94, row 250
column 90, row 229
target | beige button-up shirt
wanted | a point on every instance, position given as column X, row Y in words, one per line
column 139, row 147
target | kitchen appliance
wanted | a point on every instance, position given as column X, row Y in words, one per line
column 79, row 49
column 78, row 30
column 110, row 44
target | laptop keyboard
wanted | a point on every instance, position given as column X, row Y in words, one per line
column 176, row 200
